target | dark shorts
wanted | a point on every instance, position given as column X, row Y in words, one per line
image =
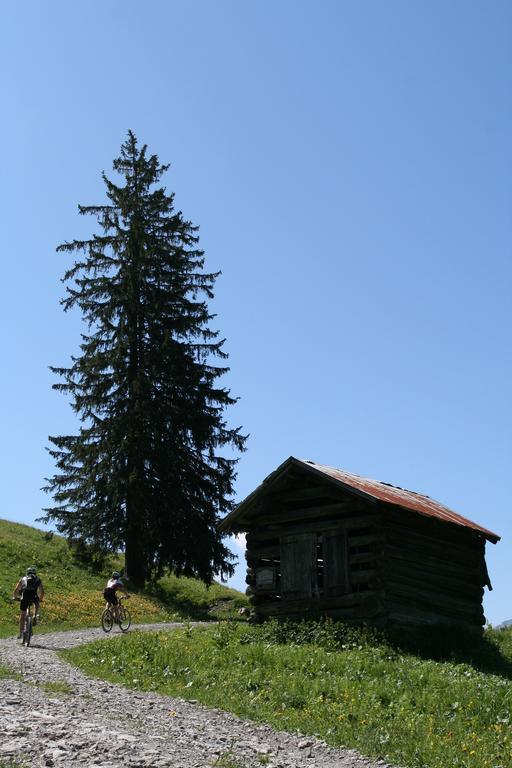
column 29, row 599
column 110, row 596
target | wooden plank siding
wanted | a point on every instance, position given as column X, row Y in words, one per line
column 433, row 573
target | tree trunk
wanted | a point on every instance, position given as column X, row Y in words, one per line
column 134, row 559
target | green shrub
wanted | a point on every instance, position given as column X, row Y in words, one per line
column 324, row 633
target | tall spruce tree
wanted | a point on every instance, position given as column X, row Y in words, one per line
column 146, row 472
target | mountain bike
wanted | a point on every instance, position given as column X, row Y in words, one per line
column 28, row 626
column 123, row 620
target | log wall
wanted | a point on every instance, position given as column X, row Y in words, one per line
column 433, row 572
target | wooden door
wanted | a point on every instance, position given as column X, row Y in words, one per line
column 336, row 566
column 298, row 566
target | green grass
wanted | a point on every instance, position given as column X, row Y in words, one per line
column 56, row 686
column 8, row 674
column 12, row 764
column 227, row 760
column 348, row 687
column 73, row 592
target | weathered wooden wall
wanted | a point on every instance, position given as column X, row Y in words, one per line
column 432, row 571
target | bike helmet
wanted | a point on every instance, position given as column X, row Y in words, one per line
column 116, row 575
column 31, row 571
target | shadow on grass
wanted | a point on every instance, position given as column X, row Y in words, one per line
column 180, row 604
column 490, row 653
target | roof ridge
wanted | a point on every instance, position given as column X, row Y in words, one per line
column 372, row 480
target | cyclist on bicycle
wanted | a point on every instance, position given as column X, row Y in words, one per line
column 114, row 584
column 31, row 589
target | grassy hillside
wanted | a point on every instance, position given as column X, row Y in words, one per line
column 349, row 687
column 73, row 593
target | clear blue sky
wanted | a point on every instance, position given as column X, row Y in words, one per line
column 350, row 166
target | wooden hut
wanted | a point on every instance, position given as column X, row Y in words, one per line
column 321, row 541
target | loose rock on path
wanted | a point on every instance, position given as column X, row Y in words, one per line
column 94, row 723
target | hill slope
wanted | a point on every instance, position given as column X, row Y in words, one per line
column 73, row 593
column 348, row 686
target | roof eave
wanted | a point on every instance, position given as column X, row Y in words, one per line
column 225, row 525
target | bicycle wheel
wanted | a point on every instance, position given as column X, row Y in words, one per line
column 124, row 619
column 107, row 620
column 27, row 634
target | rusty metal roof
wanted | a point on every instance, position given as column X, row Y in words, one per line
column 374, row 489
column 392, row 494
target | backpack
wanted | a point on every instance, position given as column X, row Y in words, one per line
column 32, row 584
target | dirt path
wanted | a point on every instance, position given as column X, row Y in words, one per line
column 93, row 723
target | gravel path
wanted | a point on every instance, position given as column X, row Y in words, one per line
column 99, row 724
